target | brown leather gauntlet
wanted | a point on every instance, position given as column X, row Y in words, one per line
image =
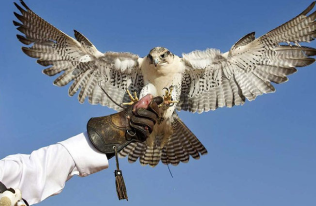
column 122, row 128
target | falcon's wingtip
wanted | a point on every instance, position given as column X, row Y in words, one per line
column 23, row 40
column 28, row 51
column 23, row 4
column 309, row 8
column 19, row 7
column 19, row 17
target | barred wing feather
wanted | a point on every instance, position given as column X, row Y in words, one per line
column 80, row 61
column 213, row 79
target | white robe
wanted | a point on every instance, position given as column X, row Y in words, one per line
column 44, row 172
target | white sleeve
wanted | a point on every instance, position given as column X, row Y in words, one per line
column 45, row 171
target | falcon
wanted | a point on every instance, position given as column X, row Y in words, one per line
column 199, row 81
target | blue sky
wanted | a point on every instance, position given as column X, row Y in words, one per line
column 262, row 153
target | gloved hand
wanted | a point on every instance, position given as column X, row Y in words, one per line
column 134, row 124
column 11, row 197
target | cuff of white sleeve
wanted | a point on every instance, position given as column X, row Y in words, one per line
column 88, row 160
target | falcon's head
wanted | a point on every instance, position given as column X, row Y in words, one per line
column 160, row 56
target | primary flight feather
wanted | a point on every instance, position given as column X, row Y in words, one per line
column 198, row 82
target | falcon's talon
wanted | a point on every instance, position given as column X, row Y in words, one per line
column 167, row 98
column 133, row 99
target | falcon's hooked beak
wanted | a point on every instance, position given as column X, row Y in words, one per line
column 156, row 62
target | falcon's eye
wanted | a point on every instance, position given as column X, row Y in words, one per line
column 163, row 55
column 150, row 57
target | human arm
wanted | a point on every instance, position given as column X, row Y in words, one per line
column 35, row 174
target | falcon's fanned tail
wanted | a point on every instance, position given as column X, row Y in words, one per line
column 180, row 146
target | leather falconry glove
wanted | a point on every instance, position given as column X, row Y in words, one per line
column 134, row 124
column 110, row 134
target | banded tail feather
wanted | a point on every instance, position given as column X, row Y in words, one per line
column 180, row 146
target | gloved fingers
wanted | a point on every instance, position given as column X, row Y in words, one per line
column 142, row 122
column 153, row 105
column 147, row 114
column 143, row 131
column 158, row 100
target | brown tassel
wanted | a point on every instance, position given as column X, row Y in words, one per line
column 119, row 180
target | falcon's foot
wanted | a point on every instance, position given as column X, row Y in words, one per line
column 133, row 99
column 167, row 98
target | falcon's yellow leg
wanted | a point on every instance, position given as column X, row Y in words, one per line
column 133, row 99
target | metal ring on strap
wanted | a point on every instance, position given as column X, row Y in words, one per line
column 131, row 134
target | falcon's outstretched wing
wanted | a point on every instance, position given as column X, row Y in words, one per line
column 213, row 80
column 80, row 61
